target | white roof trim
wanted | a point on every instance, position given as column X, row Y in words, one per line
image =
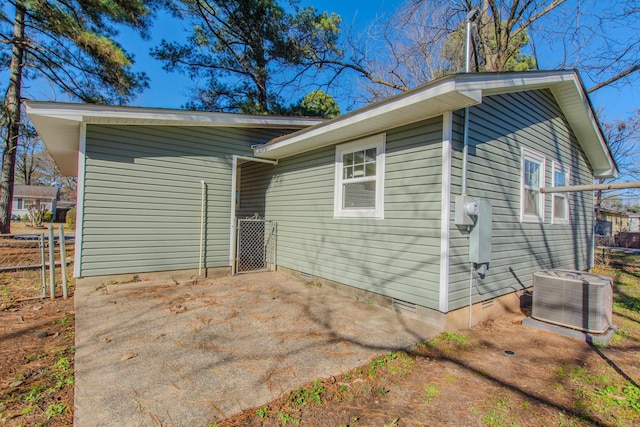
column 409, row 107
column 452, row 93
column 108, row 114
column 58, row 124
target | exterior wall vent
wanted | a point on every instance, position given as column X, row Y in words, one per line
column 574, row 299
column 488, row 303
column 305, row 276
column 404, row 306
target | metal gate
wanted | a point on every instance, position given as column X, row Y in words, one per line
column 255, row 245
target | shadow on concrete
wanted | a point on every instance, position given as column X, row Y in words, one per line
column 157, row 353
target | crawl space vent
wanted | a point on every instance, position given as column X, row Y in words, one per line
column 404, row 306
column 574, row 299
column 305, row 276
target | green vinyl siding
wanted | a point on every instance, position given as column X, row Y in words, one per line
column 142, row 196
column 397, row 256
column 498, row 129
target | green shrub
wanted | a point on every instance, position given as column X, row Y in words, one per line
column 26, row 217
column 48, row 216
column 70, row 220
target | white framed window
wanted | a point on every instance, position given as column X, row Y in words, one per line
column 359, row 183
column 560, row 204
column 532, row 179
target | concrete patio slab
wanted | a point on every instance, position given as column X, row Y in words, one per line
column 189, row 353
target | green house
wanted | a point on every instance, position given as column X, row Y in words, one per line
column 427, row 202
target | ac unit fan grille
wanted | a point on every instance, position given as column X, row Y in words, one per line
column 573, row 299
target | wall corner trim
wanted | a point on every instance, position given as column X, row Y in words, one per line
column 82, row 163
column 447, row 136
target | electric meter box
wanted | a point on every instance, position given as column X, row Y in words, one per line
column 481, row 233
column 466, row 210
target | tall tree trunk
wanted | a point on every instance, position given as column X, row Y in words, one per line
column 13, row 120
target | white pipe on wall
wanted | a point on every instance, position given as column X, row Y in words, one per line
column 202, row 210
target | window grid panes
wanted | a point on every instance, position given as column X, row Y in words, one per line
column 359, row 186
column 359, row 164
column 533, row 178
column 532, row 187
column 359, row 179
column 560, row 201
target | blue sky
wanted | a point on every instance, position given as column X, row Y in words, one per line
column 171, row 90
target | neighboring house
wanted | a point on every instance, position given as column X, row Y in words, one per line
column 619, row 219
column 634, row 222
column 366, row 202
column 62, row 208
column 27, row 195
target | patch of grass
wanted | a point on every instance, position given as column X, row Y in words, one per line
column 55, row 409
column 448, row 341
column 431, row 391
column 382, row 391
column 64, row 321
column 28, row 410
column 401, row 365
column 497, row 413
column 262, row 411
column 62, row 372
column 624, row 395
column 380, row 362
column 398, row 363
column 312, row 394
column 6, row 301
column 34, row 394
column 450, row 378
column 33, row 357
column 285, row 418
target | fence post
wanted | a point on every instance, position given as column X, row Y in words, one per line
column 43, row 266
column 52, row 263
column 63, row 262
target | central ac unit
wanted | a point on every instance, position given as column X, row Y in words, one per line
column 574, row 299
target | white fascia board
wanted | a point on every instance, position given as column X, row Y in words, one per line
column 495, row 83
column 429, row 101
column 107, row 114
column 577, row 109
column 569, row 92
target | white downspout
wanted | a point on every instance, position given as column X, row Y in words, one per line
column 232, row 219
column 203, row 187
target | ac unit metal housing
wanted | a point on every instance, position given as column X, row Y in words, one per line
column 574, row 299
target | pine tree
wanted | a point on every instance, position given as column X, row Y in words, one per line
column 70, row 44
column 248, row 51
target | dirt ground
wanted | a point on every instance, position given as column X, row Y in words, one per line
column 36, row 350
column 500, row 373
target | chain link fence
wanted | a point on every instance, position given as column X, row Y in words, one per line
column 256, row 245
column 25, row 266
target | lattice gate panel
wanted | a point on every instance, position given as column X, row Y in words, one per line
column 255, row 245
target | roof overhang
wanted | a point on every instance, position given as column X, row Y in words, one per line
column 58, row 124
column 452, row 93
